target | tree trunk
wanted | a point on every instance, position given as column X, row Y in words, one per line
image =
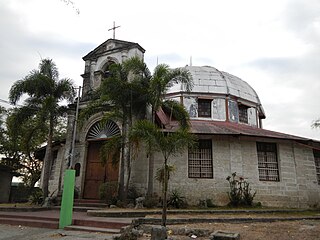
column 151, row 162
column 165, row 189
column 124, row 161
column 47, row 162
column 150, row 174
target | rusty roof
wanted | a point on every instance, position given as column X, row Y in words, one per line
column 210, row 127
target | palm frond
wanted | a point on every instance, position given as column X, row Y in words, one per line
column 49, row 69
column 177, row 112
column 110, row 150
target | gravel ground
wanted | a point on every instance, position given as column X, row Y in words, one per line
column 293, row 230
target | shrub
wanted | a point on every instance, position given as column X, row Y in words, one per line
column 176, row 200
column 36, row 197
column 240, row 191
column 152, row 201
column 210, row 204
column 108, row 192
column 133, row 194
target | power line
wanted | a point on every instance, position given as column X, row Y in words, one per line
column 9, row 103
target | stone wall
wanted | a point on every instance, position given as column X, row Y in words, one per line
column 297, row 187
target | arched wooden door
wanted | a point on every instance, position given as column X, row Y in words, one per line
column 96, row 172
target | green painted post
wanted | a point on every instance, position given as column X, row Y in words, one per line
column 67, row 199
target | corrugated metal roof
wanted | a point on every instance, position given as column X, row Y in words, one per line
column 229, row 128
column 210, row 80
column 225, row 128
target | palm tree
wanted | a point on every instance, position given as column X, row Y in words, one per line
column 168, row 143
column 161, row 80
column 45, row 91
column 122, row 95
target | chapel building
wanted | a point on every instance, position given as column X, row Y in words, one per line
column 226, row 116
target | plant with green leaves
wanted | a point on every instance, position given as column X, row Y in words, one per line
column 169, row 143
column 121, row 97
column 45, row 94
column 240, row 191
column 160, row 81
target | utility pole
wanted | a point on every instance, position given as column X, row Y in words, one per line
column 75, row 130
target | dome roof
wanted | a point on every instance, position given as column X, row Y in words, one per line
column 210, row 80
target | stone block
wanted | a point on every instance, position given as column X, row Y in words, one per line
column 158, row 233
column 223, row 235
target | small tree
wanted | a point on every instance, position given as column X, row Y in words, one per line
column 168, row 143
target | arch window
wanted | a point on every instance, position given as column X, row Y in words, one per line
column 103, row 130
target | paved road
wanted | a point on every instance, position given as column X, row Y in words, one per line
column 28, row 233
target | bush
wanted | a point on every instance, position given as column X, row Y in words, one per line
column 36, row 197
column 152, row 201
column 240, row 192
column 108, row 192
column 210, row 204
column 133, row 194
column 176, row 200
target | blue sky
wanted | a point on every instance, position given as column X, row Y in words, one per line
column 274, row 45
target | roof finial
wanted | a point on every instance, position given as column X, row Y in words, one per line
column 190, row 61
column 114, row 29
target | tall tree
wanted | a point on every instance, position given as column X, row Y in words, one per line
column 122, row 96
column 45, row 92
column 162, row 79
column 168, row 143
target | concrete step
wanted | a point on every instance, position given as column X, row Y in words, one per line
column 52, row 224
column 99, row 224
column 34, row 217
column 92, row 229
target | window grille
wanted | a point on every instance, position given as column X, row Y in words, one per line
column 268, row 162
column 204, row 108
column 200, row 160
column 316, row 155
column 243, row 114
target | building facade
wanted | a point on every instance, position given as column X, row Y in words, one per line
column 226, row 116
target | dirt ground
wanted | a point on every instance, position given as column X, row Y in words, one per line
column 293, row 230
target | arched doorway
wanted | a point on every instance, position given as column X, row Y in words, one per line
column 96, row 172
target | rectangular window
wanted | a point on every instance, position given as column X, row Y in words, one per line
column 268, row 162
column 243, row 114
column 316, row 155
column 204, row 108
column 200, row 160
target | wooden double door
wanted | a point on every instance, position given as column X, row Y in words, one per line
column 96, row 172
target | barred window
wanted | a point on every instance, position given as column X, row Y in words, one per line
column 268, row 162
column 243, row 114
column 316, row 155
column 204, row 108
column 200, row 160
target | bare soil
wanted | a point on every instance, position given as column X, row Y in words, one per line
column 280, row 230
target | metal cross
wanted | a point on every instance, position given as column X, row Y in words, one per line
column 114, row 30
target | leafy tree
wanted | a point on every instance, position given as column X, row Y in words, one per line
column 160, row 81
column 121, row 96
column 168, row 143
column 45, row 91
column 21, row 138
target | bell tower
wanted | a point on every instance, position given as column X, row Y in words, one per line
column 97, row 61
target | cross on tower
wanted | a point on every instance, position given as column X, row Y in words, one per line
column 114, row 30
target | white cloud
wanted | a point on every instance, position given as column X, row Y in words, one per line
column 273, row 45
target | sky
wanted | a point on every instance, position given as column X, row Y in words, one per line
column 274, row 45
